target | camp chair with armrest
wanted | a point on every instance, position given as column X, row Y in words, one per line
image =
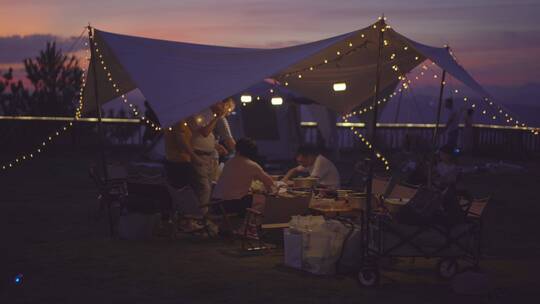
column 109, row 195
column 476, row 207
column 275, row 214
column 403, row 191
column 378, row 188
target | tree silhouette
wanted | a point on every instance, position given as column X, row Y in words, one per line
column 55, row 78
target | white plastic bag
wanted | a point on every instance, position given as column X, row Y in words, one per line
column 292, row 242
column 322, row 247
column 306, row 223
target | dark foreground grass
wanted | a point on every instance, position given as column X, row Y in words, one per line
column 48, row 235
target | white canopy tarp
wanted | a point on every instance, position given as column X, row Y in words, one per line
column 181, row 79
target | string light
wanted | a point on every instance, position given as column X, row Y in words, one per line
column 340, row 54
column 366, row 142
column 499, row 109
column 115, row 86
column 78, row 112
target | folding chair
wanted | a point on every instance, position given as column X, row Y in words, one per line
column 110, row 194
column 378, row 188
column 449, row 243
column 403, row 191
column 476, row 207
column 275, row 214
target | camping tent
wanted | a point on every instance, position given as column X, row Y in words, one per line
column 181, row 79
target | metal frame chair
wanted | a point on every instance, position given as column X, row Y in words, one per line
column 452, row 244
column 110, row 193
column 276, row 214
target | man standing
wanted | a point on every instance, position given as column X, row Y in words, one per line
column 223, row 130
column 179, row 166
column 203, row 142
column 180, row 157
column 312, row 162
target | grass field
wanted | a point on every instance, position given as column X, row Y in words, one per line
column 49, row 236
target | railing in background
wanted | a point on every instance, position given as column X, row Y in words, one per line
column 19, row 134
column 488, row 139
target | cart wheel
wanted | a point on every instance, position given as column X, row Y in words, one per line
column 447, row 267
column 369, row 277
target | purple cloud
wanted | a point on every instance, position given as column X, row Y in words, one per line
column 14, row 49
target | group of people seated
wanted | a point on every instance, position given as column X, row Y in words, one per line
column 195, row 145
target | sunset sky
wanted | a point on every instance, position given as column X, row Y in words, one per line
column 498, row 41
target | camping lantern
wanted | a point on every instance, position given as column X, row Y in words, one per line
column 340, row 86
column 245, row 98
column 276, row 101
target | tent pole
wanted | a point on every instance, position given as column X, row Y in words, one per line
column 398, row 106
column 373, row 138
column 437, row 122
column 98, row 106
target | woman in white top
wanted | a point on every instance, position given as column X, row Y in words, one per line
column 238, row 173
column 312, row 162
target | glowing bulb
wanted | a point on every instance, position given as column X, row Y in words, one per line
column 245, row 98
column 340, row 86
column 276, row 101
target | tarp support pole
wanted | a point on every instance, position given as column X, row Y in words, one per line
column 436, row 129
column 398, row 106
column 373, row 137
column 98, row 106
